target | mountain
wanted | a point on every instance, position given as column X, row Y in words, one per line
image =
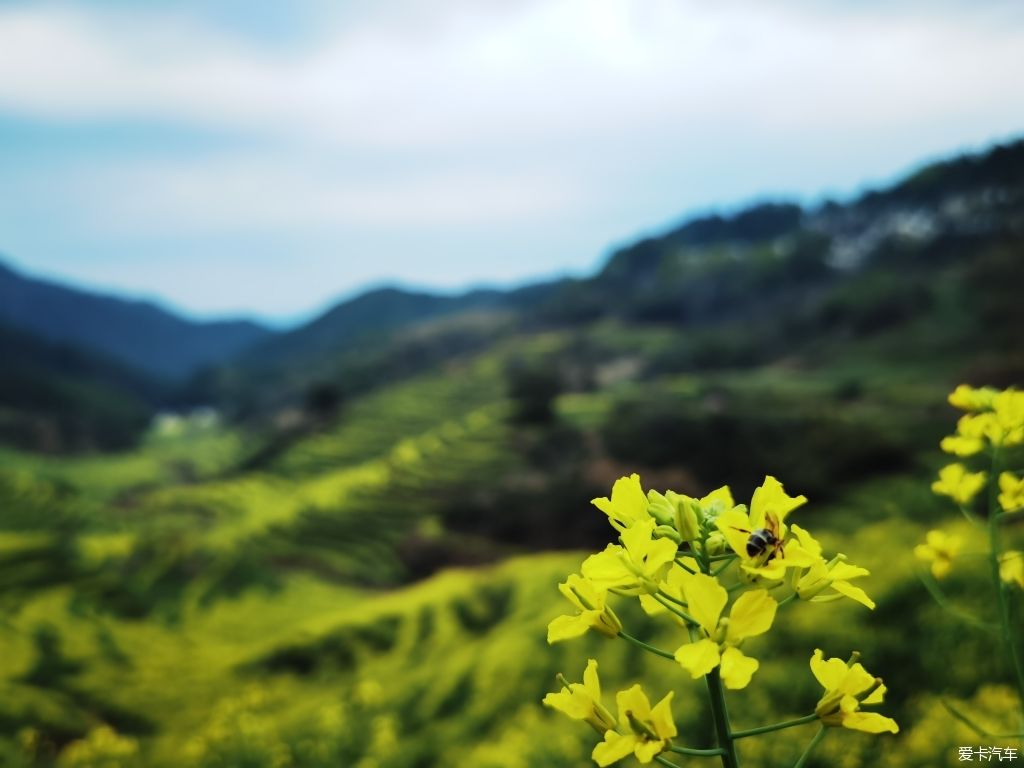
column 362, row 343
column 848, row 268
column 139, row 334
column 57, row 398
column 838, row 268
column 372, row 314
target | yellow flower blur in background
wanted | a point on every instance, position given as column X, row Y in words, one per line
column 959, row 484
column 939, row 551
column 1011, row 492
column 1011, row 567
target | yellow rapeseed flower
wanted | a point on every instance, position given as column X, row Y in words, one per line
column 997, row 419
column 651, row 729
column 962, row 446
column 847, row 687
column 751, row 615
column 824, row 581
column 582, row 701
column 672, row 585
column 627, row 505
column 637, row 565
column 959, row 484
column 769, row 507
column 968, row 398
column 940, row 550
column 1011, row 492
column 592, row 611
column 1011, row 567
column 1008, row 407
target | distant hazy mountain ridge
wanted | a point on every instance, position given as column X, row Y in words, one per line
column 732, row 290
column 137, row 333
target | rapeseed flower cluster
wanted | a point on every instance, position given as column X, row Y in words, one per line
column 990, row 435
column 989, row 440
column 722, row 571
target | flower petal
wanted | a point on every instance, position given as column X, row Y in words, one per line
column 870, row 722
column 698, row 658
column 854, row 593
column 771, row 500
column 659, row 553
column 751, row 615
column 737, row 669
column 857, row 680
column 565, row 702
column 646, row 750
column 614, row 747
column 661, row 717
column 807, row 542
column 627, row 504
column 633, row 700
column 591, row 682
column 846, row 571
column 606, row 568
column 706, row 599
column 735, row 525
column 651, row 606
column 830, row 673
column 568, row 627
column 877, row 696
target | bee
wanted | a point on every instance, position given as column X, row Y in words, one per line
column 761, row 541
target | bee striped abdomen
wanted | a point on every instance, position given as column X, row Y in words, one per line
column 759, row 542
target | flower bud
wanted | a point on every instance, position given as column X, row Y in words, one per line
column 660, row 508
column 686, row 519
column 716, row 543
column 667, row 532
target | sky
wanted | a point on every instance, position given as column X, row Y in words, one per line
column 236, row 158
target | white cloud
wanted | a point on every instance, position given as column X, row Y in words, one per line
column 534, row 71
column 256, row 194
column 558, row 124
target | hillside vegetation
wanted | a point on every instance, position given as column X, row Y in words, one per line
column 352, row 562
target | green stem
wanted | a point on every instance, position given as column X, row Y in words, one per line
column 986, row 734
column 994, row 550
column 663, row 761
column 810, row 748
column 677, row 601
column 686, row 568
column 723, row 567
column 970, row 516
column 940, row 597
column 774, row 727
column 726, row 556
column 681, row 614
column 789, row 599
column 698, row 752
column 645, row 646
column 720, row 714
